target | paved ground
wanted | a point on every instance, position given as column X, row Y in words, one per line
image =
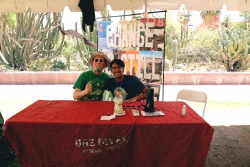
column 35, row 92
column 14, row 98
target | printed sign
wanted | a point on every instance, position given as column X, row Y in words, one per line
column 139, row 43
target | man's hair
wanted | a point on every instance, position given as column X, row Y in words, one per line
column 118, row 62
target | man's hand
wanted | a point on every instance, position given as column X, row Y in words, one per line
column 129, row 101
column 140, row 97
column 88, row 88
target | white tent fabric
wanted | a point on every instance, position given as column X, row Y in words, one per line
column 19, row 6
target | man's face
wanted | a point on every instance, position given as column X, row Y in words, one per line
column 98, row 64
column 117, row 70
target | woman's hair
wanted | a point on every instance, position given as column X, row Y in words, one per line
column 118, row 62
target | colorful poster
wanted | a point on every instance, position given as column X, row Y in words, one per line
column 139, row 43
column 102, row 42
column 157, row 29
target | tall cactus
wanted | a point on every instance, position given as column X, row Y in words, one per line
column 233, row 49
column 34, row 36
column 86, row 51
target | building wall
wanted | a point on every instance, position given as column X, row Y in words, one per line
column 170, row 78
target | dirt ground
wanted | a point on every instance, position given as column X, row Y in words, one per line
column 230, row 147
column 13, row 98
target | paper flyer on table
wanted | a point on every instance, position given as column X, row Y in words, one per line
column 157, row 113
column 105, row 117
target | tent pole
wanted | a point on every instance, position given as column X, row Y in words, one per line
column 163, row 57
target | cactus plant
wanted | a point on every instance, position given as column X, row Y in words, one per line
column 86, row 51
column 34, row 36
column 233, row 49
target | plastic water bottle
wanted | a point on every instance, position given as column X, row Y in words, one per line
column 118, row 99
column 184, row 110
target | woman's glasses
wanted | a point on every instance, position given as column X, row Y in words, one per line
column 100, row 60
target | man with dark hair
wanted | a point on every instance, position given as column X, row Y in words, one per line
column 131, row 88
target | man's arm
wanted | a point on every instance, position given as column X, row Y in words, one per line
column 142, row 96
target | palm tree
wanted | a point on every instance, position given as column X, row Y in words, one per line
column 209, row 18
column 184, row 16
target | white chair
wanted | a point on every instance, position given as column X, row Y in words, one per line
column 193, row 95
column 157, row 89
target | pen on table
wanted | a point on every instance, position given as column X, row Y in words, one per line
column 48, row 102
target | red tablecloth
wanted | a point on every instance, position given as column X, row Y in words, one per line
column 70, row 133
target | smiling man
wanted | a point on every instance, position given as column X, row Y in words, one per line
column 89, row 85
column 131, row 88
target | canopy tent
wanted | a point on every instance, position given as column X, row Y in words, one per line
column 19, row 6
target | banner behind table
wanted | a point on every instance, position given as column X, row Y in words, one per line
column 134, row 41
